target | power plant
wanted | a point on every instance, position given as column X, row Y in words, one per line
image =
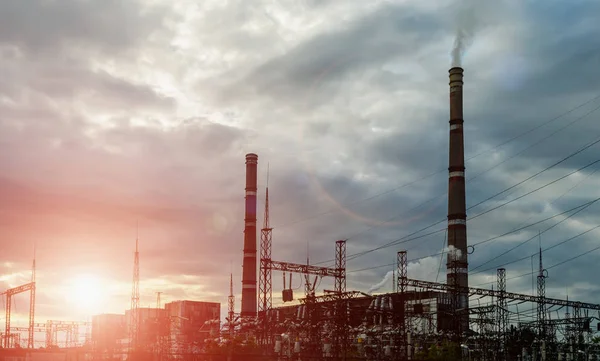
column 419, row 320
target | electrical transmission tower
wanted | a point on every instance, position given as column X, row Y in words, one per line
column 30, row 340
column 502, row 314
column 401, row 288
column 135, row 301
column 265, row 294
column 231, row 303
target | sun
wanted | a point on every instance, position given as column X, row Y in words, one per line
column 86, row 293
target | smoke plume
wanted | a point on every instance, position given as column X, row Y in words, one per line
column 425, row 269
column 453, row 252
column 383, row 282
column 466, row 24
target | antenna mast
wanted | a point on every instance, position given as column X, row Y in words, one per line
column 265, row 294
column 30, row 343
column 231, row 303
column 135, row 299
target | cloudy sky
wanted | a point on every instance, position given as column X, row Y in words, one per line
column 122, row 113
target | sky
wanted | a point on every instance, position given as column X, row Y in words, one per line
column 125, row 119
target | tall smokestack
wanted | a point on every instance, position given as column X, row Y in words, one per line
column 457, row 264
column 249, row 295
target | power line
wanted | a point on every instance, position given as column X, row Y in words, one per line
column 478, row 243
column 543, row 250
column 563, row 194
column 587, row 146
column 356, row 255
column 539, row 141
column 485, row 171
column 580, row 150
column 537, row 189
column 349, row 204
column 536, row 223
column 547, row 268
column 547, row 229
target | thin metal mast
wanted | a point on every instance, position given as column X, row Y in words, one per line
column 30, row 340
column 135, row 299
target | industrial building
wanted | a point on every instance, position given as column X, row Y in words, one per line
column 192, row 322
column 181, row 326
column 108, row 331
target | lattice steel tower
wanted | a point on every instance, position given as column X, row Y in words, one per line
column 30, row 339
column 231, row 303
column 265, row 294
column 135, row 301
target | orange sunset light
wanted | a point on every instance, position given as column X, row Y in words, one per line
column 86, row 293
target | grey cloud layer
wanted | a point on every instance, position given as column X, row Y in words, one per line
column 54, row 26
column 347, row 114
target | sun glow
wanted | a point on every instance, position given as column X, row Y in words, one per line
column 87, row 294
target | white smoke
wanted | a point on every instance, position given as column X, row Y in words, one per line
column 388, row 276
column 425, row 269
column 455, row 253
column 470, row 15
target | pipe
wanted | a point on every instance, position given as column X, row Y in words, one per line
column 457, row 264
column 249, row 294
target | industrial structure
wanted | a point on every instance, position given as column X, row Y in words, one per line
column 457, row 266
column 420, row 320
column 249, row 296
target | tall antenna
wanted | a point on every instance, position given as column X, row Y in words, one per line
column 540, row 245
column 135, row 298
column 30, row 343
column 394, row 279
column 265, row 294
column 158, row 303
column 231, row 301
column 307, row 253
column 541, row 316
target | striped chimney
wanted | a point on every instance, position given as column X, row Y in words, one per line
column 457, row 265
column 249, row 294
